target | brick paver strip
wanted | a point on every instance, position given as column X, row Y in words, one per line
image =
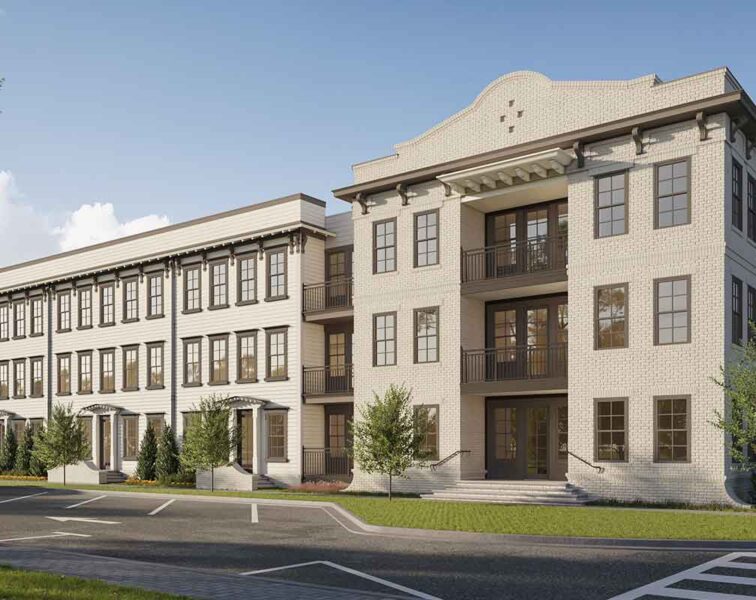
column 173, row 580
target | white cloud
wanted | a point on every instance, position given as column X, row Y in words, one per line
column 25, row 233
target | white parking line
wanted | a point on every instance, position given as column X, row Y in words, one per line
column 161, row 507
column 85, row 502
column 255, row 515
column 728, row 561
column 42, row 537
column 22, row 497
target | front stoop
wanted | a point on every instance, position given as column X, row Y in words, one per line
column 555, row 493
column 115, row 477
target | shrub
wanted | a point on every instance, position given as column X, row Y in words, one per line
column 147, row 455
column 24, row 451
column 8, row 451
column 37, row 468
column 319, row 487
column 167, row 460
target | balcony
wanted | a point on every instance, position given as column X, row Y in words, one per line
column 328, row 301
column 328, row 381
column 514, row 369
column 326, row 464
column 540, row 263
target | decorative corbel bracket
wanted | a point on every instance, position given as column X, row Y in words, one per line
column 292, row 243
column 578, row 149
column 701, row 122
column 141, row 274
column 637, row 134
column 360, row 198
column 447, row 189
column 204, row 261
column 302, row 241
column 401, row 189
column 749, row 149
column 735, row 125
column 232, row 255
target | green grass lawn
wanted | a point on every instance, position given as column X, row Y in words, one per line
column 512, row 519
column 17, row 584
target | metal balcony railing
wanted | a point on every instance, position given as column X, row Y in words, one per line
column 328, row 380
column 329, row 295
column 515, row 258
column 326, row 463
column 515, row 362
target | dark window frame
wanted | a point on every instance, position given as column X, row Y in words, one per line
column 737, row 195
column 102, row 353
column 125, row 350
column 751, row 307
column 688, row 429
column 19, row 319
column 185, row 365
column 33, row 361
column 416, row 336
column 84, row 354
column 689, row 167
column 64, row 356
column 103, row 305
column 268, row 333
column 125, row 284
column 161, row 294
column 416, row 241
column 596, row 290
column 134, row 420
column 19, row 394
column 81, row 292
column 736, row 311
column 5, row 320
column 269, row 252
column 33, row 303
column 240, row 336
column 751, row 208
column 60, row 312
column 6, row 376
column 689, row 296
column 186, row 290
column 376, row 224
column 626, row 204
column 252, row 258
column 212, row 265
column 416, row 408
column 214, row 339
column 150, row 347
column 625, row 430
column 284, row 414
column 375, row 338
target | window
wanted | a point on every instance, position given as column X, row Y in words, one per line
column 130, row 436
column 36, row 316
column 86, row 426
column 155, row 295
column 64, row 374
column 19, row 378
column 427, row 416
column 426, row 238
column 751, row 311
column 4, row 322
column 276, row 436
column 246, row 358
column 384, row 337
column 611, row 429
column 107, row 304
column 426, row 335
column 192, row 367
column 384, row 246
column 157, row 422
column 672, row 307
column 19, row 319
column 85, row 308
column 611, row 204
column 737, row 195
column 246, row 267
column 219, row 285
column 37, row 377
column 107, row 371
column 4, row 380
column 192, row 290
column 611, row 316
column 130, row 300
column 276, row 274
column 64, row 311
column 276, row 367
column 672, row 194
column 130, row 368
column 671, row 431
column 752, row 208
column 562, row 323
column 737, row 311
column 155, row 366
column 218, row 360
column 85, row 372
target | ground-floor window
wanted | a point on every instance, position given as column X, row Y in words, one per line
column 276, row 436
column 672, row 429
column 428, row 415
column 130, row 437
column 611, row 429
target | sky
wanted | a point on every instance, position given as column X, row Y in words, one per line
column 119, row 117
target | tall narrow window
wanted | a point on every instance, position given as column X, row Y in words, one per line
column 276, row 274
column 672, row 194
column 130, row 300
column 37, row 319
column 611, row 205
column 672, row 429
column 130, row 436
column 19, row 378
column 85, row 308
column 247, row 279
column 19, row 319
column 611, row 316
column 426, row 238
column 192, row 290
column 85, row 372
column 130, row 368
column 427, row 417
column 426, row 335
column 384, row 339
column 37, row 377
column 562, row 323
column 384, row 246
column 276, row 363
column 672, row 303
column 64, row 374
column 276, row 435
column 64, row 311
column 155, row 366
column 737, row 195
column 737, row 311
column 751, row 312
column 219, row 285
column 192, row 366
column 611, row 429
column 4, row 322
column 246, row 358
column 4, row 380
column 107, row 371
column 219, row 360
column 107, row 304
column 155, row 295
column 752, row 208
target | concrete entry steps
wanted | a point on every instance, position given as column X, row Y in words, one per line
column 557, row 493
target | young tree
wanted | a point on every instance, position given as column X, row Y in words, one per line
column 8, row 451
column 210, row 440
column 389, row 435
column 147, row 455
column 167, row 461
column 64, row 442
column 36, row 466
column 24, row 451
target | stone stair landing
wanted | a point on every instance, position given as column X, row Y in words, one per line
column 556, row 493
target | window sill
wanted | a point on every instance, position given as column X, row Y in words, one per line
column 217, row 383
column 155, row 387
column 130, row 389
column 430, row 267
column 246, row 302
column 284, row 378
column 217, row 307
column 276, row 298
column 31, row 335
column 191, row 385
column 277, row 460
column 83, row 327
column 153, row 317
column 36, row 396
column 671, row 462
column 107, row 392
column 134, row 320
column 129, row 458
column 19, row 337
column 111, row 324
column 59, row 394
column 19, row 397
column 246, row 381
column 84, row 393
column 192, row 311
column 3, row 339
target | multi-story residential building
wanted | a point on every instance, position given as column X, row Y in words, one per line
column 468, row 278
column 137, row 330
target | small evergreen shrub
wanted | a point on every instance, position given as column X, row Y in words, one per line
column 8, row 451
column 147, row 456
column 24, row 452
column 167, row 458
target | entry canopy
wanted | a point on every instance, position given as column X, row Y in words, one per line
column 101, row 409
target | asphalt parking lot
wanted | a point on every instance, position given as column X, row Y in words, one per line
column 310, row 545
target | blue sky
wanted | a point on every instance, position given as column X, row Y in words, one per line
column 184, row 109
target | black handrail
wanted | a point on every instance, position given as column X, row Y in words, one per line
column 328, row 380
column 443, row 461
column 514, row 362
column 585, row 462
column 515, row 258
column 328, row 295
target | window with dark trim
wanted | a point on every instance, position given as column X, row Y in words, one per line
column 37, row 319
column 737, row 311
column 672, row 429
column 85, row 372
column 192, row 362
column 751, row 312
column 155, row 366
column 751, row 208
column 130, row 437
column 611, row 316
column 107, row 304
column 19, row 319
column 246, row 279
column 155, row 295
column 192, row 289
column 218, row 360
column 130, row 300
column 426, row 238
column 4, row 322
column 219, row 284
column 276, row 264
column 37, row 377
column 130, row 368
column 4, row 381
column 384, row 339
column 64, row 311
column 107, row 371
column 276, row 354
column 611, row 204
column 384, row 246
column 672, row 310
column 19, row 378
column 157, row 422
column 672, row 185
column 277, row 433
column 246, row 357
column 427, row 416
column 85, row 307
column 426, row 335
column 611, row 429
column 64, row 374
column 737, row 195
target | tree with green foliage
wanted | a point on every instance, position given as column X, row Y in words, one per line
column 147, row 455
column 65, row 442
column 167, row 462
column 210, row 441
column 389, row 435
column 36, row 467
column 8, row 450
column 24, row 451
